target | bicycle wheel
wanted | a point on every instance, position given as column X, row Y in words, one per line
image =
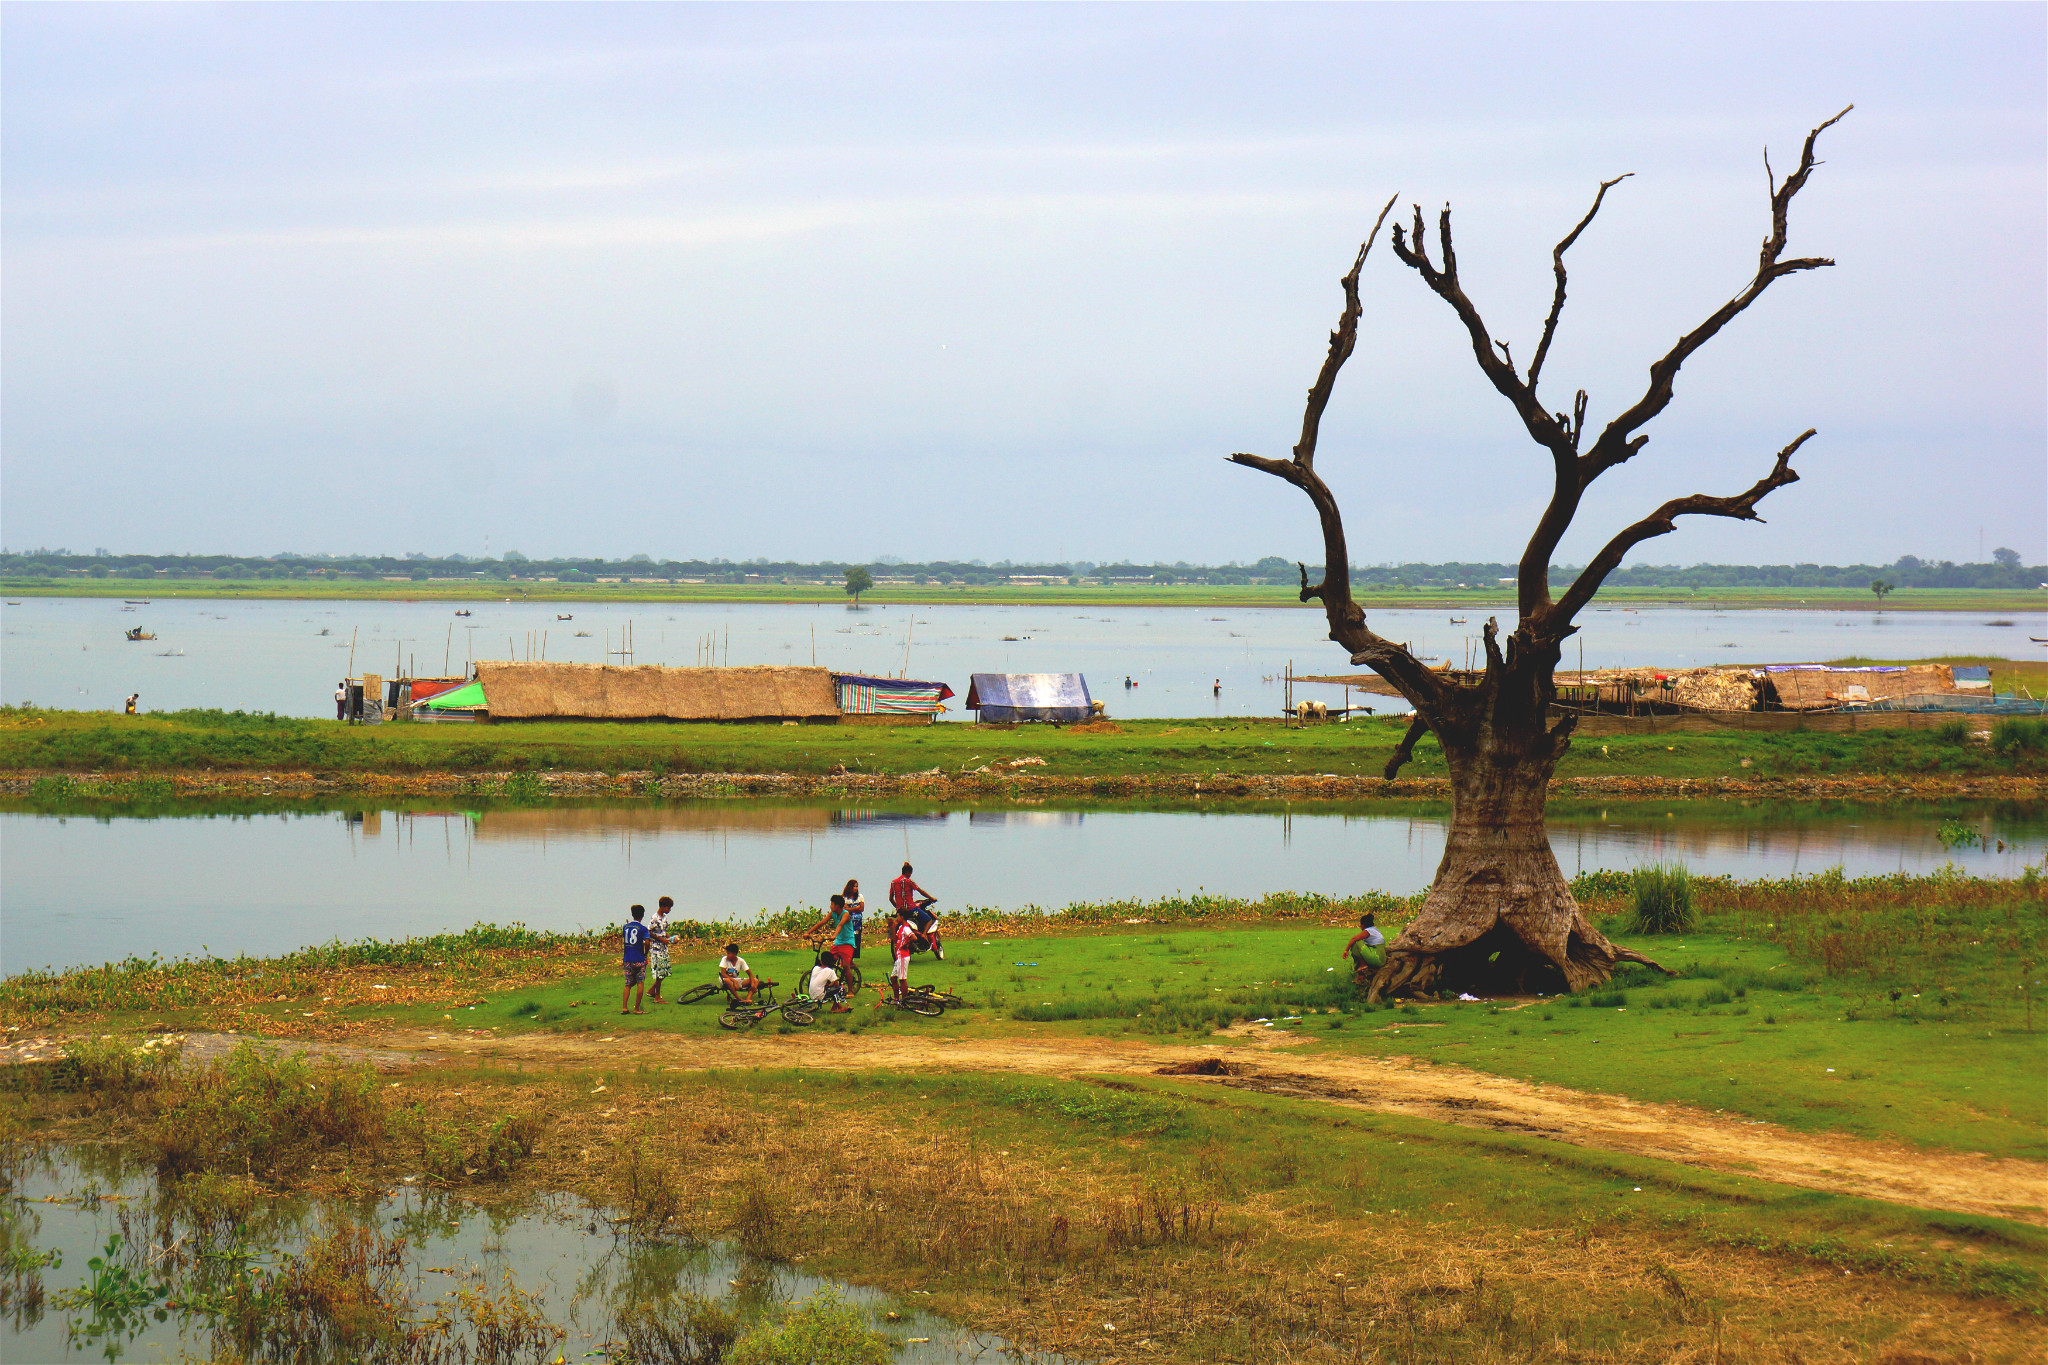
column 696, row 993
column 923, row 1004
column 849, row 977
column 741, row 1019
column 797, row 1014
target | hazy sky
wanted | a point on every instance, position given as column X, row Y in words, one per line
column 1006, row 281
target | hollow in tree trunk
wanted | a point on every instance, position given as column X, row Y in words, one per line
column 1499, row 917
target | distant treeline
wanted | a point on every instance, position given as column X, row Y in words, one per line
column 2005, row 571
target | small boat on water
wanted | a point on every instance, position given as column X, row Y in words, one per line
column 465, row 613
column 137, row 634
column 569, row 617
column 1457, row 620
column 136, row 601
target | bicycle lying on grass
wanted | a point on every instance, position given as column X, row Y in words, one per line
column 798, row 1009
column 918, row 1000
column 765, row 995
column 945, row 999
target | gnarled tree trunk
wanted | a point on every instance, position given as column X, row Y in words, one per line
column 1499, row 916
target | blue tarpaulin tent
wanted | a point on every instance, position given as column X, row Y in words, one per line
column 1029, row 696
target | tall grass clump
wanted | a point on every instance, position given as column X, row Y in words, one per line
column 2019, row 736
column 1662, row 900
column 823, row 1328
column 265, row 1115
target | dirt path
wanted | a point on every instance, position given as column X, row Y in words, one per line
column 1961, row 1182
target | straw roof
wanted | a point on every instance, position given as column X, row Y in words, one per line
column 530, row 691
column 1816, row 687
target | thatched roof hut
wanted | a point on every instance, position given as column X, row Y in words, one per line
column 1817, row 687
column 534, row 691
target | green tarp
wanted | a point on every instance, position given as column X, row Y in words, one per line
column 469, row 697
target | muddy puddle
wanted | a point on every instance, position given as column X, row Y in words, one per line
column 98, row 1264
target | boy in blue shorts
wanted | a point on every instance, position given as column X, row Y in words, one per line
column 635, row 963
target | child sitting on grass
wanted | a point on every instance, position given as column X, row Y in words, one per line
column 825, row 985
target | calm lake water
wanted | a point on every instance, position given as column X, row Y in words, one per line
column 557, row 1246
column 272, row 656
column 78, row 889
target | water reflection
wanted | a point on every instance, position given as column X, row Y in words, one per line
column 585, row 1284
column 76, row 889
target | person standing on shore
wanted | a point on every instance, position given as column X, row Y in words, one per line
column 635, row 962
column 341, row 700
column 857, row 909
column 657, row 944
column 902, row 939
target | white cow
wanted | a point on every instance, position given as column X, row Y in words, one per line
column 1311, row 710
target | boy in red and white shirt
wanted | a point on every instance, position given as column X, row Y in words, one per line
column 903, row 936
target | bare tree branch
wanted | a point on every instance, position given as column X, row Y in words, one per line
column 1532, row 579
column 1618, row 441
column 1557, row 299
column 1444, row 281
column 1742, row 507
column 1347, row 621
column 1417, row 728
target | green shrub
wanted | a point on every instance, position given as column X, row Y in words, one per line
column 824, row 1328
column 2019, row 736
column 262, row 1114
column 112, row 1072
column 1954, row 731
column 676, row 1327
column 1663, row 900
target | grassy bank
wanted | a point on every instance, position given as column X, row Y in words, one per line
column 1153, row 1219
column 1990, row 600
column 1899, row 1006
column 1138, row 1217
column 38, row 739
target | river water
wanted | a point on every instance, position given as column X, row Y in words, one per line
column 80, row 889
column 285, row 656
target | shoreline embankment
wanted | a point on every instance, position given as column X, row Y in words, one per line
column 985, row 784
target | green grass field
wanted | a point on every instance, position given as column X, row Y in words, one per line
column 225, row 742
column 1896, row 1006
column 1746, row 1028
column 1490, row 599
column 1148, row 1216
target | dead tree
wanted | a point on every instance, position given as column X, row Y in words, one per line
column 1500, row 915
